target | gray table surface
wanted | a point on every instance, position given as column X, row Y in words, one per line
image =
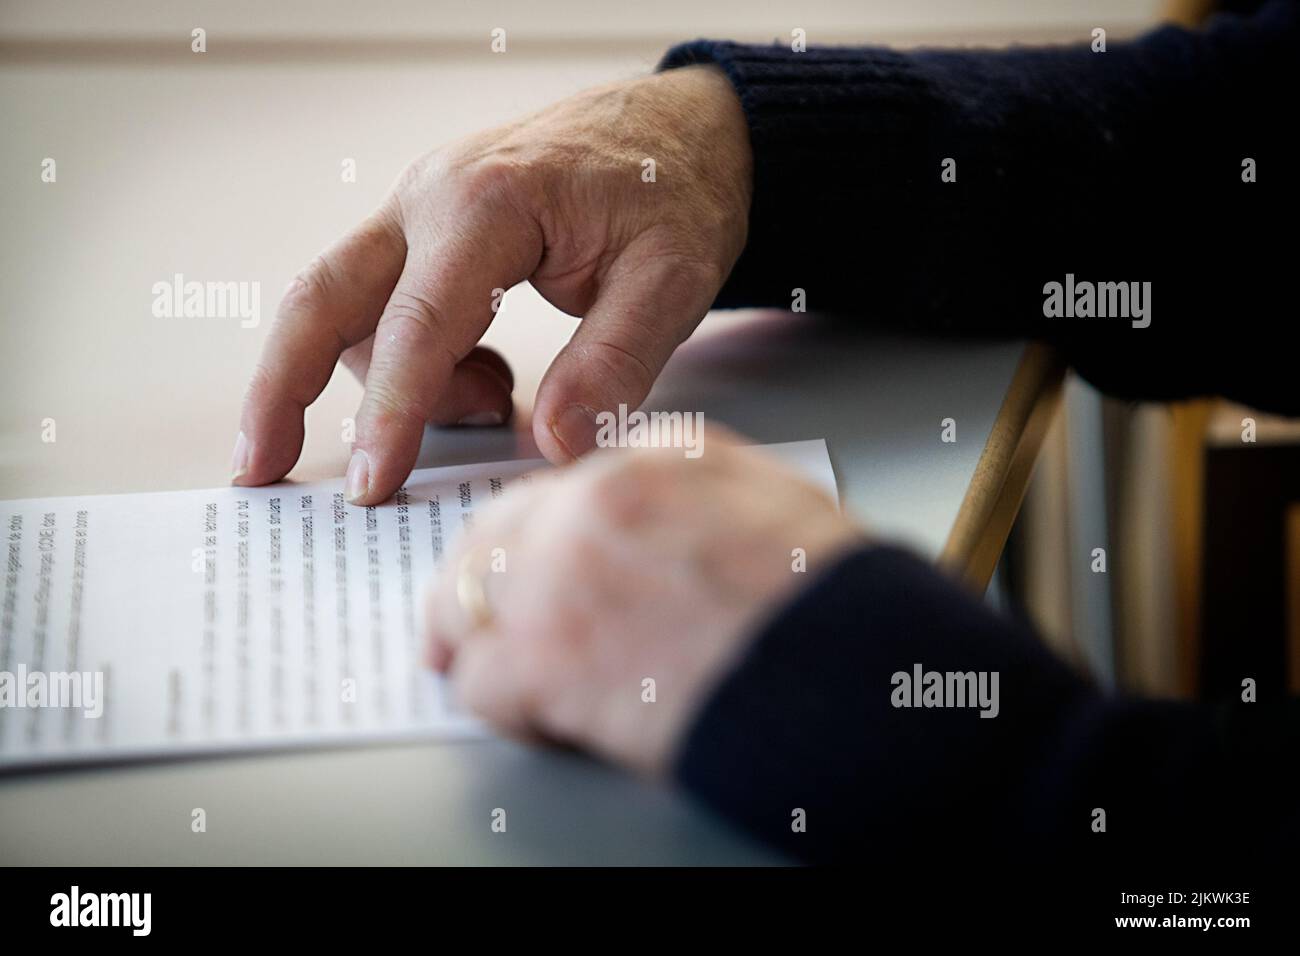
column 878, row 402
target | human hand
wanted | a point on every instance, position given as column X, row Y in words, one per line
column 557, row 199
column 631, row 565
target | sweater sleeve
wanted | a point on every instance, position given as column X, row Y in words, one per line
column 945, row 189
column 815, row 718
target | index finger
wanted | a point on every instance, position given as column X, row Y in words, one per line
column 334, row 303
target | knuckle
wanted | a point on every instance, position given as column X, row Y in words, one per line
column 693, row 246
column 265, row 392
column 412, row 320
column 490, row 177
column 695, row 264
column 633, row 489
column 309, row 287
column 389, row 405
column 501, row 177
column 379, row 235
column 627, row 370
column 413, row 310
column 415, row 174
column 704, row 271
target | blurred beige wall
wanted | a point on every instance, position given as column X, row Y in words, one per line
column 531, row 23
column 227, row 166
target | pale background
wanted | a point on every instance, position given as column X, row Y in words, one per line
column 642, row 23
column 226, row 166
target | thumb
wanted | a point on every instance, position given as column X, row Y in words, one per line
column 646, row 307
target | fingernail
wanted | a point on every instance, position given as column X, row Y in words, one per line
column 239, row 460
column 575, row 429
column 482, row 418
column 358, row 480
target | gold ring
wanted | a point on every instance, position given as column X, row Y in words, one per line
column 472, row 594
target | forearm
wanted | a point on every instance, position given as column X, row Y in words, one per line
column 811, row 720
column 1123, row 166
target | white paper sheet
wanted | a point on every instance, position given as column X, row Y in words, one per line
column 234, row 618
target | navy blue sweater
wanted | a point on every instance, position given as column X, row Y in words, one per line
column 1126, row 166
